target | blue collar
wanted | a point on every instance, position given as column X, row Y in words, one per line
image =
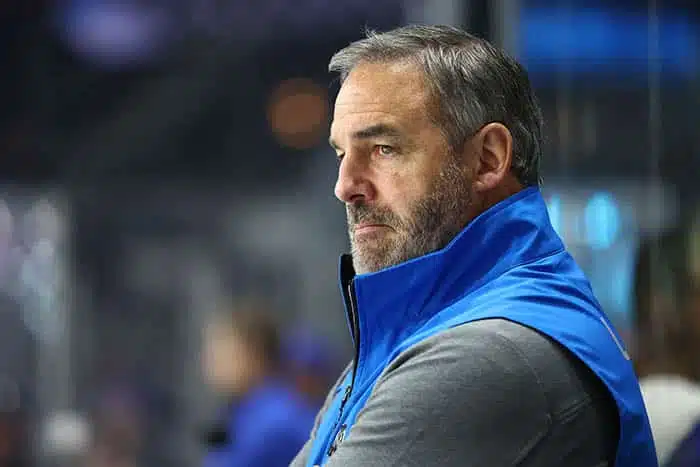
column 390, row 304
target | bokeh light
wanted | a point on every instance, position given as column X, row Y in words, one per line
column 298, row 113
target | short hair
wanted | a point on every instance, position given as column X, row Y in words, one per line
column 472, row 84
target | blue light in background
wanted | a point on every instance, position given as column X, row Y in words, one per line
column 555, row 214
column 600, row 39
column 602, row 221
column 621, row 287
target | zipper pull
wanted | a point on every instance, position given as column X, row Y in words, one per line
column 338, row 439
column 341, row 433
column 346, row 396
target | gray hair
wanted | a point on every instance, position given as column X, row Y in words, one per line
column 472, row 82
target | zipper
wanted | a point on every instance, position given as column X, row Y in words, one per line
column 355, row 328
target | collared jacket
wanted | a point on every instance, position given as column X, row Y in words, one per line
column 508, row 263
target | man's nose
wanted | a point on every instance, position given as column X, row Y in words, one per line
column 353, row 184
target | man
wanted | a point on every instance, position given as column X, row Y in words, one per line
column 667, row 331
column 478, row 339
column 267, row 420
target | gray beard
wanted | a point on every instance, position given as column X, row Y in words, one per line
column 434, row 222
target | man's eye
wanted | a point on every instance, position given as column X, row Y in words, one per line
column 384, row 150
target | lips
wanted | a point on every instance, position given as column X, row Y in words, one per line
column 368, row 228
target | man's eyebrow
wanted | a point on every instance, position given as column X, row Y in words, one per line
column 373, row 131
column 380, row 129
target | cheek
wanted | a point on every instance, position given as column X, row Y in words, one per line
column 401, row 193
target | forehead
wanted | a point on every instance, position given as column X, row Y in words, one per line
column 393, row 93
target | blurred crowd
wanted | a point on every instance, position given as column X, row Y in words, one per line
column 169, row 240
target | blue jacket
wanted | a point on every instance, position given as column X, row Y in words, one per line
column 266, row 428
column 507, row 263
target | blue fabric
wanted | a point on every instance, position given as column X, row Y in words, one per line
column 687, row 454
column 266, row 429
column 507, row 263
column 306, row 352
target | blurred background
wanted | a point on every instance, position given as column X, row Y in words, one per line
column 162, row 159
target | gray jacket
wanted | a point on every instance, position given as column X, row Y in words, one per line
column 489, row 393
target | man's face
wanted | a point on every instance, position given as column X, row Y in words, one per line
column 405, row 190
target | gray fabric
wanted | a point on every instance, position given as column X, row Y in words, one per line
column 488, row 393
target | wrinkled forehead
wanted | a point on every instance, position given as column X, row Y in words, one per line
column 396, row 92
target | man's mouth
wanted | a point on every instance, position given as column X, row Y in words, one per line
column 368, row 227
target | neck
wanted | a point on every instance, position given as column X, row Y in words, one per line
column 492, row 197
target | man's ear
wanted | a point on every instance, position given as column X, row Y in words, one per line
column 493, row 145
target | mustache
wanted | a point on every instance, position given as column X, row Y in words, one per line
column 363, row 214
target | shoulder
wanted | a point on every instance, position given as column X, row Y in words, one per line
column 473, row 366
column 504, row 354
column 494, row 354
column 490, row 346
column 484, row 393
column 505, row 387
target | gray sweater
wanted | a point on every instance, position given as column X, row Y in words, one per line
column 489, row 393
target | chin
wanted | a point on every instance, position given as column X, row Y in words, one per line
column 368, row 267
